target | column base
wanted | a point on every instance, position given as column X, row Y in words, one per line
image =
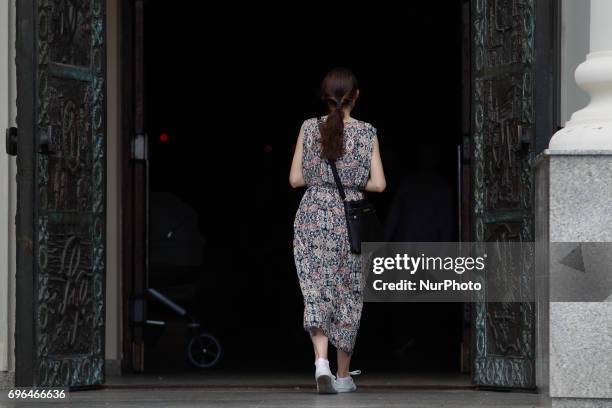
column 573, row 190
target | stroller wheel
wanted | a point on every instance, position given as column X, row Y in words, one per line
column 204, row 350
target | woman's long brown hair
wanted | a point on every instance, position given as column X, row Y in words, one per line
column 339, row 90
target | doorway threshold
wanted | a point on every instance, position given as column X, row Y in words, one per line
column 280, row 379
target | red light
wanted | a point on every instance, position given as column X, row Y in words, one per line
column 164, row 137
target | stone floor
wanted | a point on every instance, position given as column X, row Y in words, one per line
column 272, row 388
column 227, row 389
column 295, row 398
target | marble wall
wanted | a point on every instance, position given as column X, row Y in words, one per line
column 574, row 204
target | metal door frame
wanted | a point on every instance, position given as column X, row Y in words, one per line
column 134, row 176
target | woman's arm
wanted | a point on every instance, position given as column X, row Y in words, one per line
column 376, row 182
column 296, row 177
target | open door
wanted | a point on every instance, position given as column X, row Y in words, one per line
column 502, row 202
column 514, row 112
column 61, row 193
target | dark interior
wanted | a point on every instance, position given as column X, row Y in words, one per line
column 227, row 89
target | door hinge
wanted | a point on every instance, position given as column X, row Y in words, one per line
column 140, row 147
column 525, row 136
column 11, row 141
column 45, row 142
column 138, row 310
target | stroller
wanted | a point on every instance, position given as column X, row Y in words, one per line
column 175, row 259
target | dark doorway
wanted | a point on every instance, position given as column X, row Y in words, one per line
column 226, row 93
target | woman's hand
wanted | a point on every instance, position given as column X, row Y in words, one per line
column 376, row 182
column 296, row 177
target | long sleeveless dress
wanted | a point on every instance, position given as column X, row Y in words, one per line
column 330, row 275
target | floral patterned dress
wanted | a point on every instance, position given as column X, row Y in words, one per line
column 329, row 274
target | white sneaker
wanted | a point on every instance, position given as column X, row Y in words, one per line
column 347, row 384
column 325, row 379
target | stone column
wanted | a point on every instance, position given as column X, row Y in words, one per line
column 574, row 204
column 591, row 128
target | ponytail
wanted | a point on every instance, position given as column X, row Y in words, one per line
column 339, row 89
column 332, row 133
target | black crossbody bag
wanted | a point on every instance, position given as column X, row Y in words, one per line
column 362, row 223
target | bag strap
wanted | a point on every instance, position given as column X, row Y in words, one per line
column 337, row 179
column 332, row 164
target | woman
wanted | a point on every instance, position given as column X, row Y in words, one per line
column 329, row 274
